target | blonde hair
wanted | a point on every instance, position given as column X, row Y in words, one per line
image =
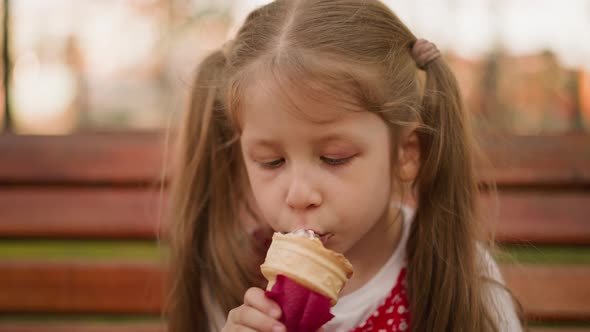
column 357, row 51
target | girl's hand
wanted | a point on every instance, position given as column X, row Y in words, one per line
column 258, row 313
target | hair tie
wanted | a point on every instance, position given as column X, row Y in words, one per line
column 424, row 52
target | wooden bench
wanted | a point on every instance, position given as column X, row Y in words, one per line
column 91, row 190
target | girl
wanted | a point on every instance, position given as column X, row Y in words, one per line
column 316, row 117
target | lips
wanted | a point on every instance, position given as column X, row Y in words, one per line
column 325, row 237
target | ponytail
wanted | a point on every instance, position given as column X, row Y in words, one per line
column 209, row 251
column 445, row 293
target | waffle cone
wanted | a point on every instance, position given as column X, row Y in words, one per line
column 307, row 262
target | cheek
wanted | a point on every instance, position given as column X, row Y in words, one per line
column 256, row 186
column 263, row 192
column 370, row 188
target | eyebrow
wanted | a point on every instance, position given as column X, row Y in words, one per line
column 323, row 139
column 335, row 137
column 262, row 142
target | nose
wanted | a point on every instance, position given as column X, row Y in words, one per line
column 302, row 194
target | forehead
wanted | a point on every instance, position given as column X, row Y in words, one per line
column 267, row 113
column 302, row 101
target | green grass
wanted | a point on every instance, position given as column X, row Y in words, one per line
column 140, row 250
column 80, row 249
column 574, row 326
column 529, row 254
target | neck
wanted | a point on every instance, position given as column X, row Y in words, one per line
column 373, row 251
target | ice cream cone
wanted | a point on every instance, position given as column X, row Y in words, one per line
column 305, row 260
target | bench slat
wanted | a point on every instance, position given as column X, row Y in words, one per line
column 110, row 157
column 136, row 157
column 551, row 292
column 137, row 288
column 81, row 327
column 100, row 213
column 556, row 218
column 126, row 327
column 537, row 160
column 78, row 287
column 559, row 329
column 134, row 213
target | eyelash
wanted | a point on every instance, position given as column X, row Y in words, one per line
column 273, row 164
column 336, row 162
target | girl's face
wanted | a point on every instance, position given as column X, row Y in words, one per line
column 324, row 169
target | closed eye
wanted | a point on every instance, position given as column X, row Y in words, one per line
column 272, row 164
column 336, row 162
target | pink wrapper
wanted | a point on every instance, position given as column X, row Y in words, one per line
column 303, row 310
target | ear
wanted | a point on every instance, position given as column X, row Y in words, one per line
column 409, row 155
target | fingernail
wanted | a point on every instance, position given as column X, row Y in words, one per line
column 278, row 328
column 275, row 313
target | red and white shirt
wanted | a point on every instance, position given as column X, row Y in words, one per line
column 381, row 305
column 393, row 314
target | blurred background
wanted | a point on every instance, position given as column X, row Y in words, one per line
column 71, row 65
column 89, row 87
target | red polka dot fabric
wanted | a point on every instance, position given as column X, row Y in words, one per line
column 393, row 314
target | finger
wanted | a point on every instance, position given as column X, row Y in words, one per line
column 255, row 298
column 243, row 328
column 254, row 319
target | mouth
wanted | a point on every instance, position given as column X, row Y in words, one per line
column 323, row 237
